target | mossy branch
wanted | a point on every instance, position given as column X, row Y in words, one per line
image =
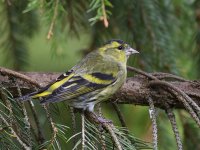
column 136, row 90
column 140, row 90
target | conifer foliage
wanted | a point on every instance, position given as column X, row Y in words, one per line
column 165, row 32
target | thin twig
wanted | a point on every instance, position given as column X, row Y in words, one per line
column 180, row 96
column 161, row 75
column 15, row 74
column 74, row 130
column 26, row 118
column 193, row 94
column 55, row 13
column 40, row 137
column 54, row 129
column 172, row 119
column 101, row 136
column 26, row 147
column 121, row 118
column 12, row 120
column 83, row 130
column 194, row 105
column 141, row 72
column 105, row 19
column 108, row 126
column 185, row 96
column 152, row 113
column 119, row 114
column 8, row 105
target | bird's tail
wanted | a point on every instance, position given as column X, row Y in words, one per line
column 40, row 93
column 28, row 97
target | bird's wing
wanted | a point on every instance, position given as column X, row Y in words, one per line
column 63, row 78
column 80, row 80
column 78, row 85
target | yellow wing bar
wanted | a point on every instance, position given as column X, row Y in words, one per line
column 53, row 87
column 93, row 79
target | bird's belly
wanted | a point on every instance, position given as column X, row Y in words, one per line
column 87, row 101
column 83, row 102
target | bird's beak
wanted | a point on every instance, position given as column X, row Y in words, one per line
column 130, row 51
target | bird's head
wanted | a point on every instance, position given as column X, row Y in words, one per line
column 117, row 49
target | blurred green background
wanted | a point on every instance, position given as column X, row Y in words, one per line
column 166, row 32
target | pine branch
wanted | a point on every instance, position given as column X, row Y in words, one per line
column 25, row 146
column 101, row 13
column 26, row 120
column 108, row 126
column 135, row 91
column 10, row 73
column 39, row 137
column 185, row 99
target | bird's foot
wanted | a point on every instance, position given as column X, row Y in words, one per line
column 98, row 119
column 103, row 120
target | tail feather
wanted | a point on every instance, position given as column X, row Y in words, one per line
column 50, row 100
column 27, row 97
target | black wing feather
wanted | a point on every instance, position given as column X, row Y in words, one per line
column 77, row 87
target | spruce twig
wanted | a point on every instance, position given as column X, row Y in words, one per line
column 83, row 131
column 55, row 13
column 74, row 128
column 24, row 145
column 108, row 126
column 185, row 99
column 101, row 136
column 172, row 119
column 105, row 19
column 53, row 127
column 152, row 113
column 26, row 119
column 119, row 114
column 8, row 105
column 40, row 137
column 16, row 132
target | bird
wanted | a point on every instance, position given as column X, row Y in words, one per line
column 94, row 79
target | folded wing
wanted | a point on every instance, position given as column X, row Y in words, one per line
column 80, row 85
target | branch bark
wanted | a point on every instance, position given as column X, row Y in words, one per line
column 135, row 91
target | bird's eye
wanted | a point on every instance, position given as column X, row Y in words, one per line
column 120, row 47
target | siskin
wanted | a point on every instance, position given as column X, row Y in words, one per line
column 94, row 79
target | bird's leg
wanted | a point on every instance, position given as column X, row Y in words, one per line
column 103, row 120
column 100, row 116
column 97, row 118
